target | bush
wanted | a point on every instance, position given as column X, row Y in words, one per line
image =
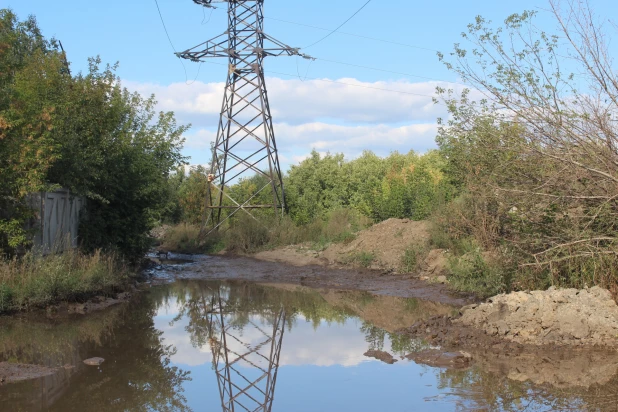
column 187, row 238
column 362, row 259
column 247, row 235
column 85, row 133
column 412, row 257
column 37, row 281
column 400, row 186
column 475, row 272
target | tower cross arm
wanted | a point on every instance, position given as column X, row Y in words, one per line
column 215, row 47
column 281, row 48
column 218, row 47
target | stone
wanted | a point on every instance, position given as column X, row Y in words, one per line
column 94, row 361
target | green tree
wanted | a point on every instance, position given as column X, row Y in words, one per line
column 86, row 133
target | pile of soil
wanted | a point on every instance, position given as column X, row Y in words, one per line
column 434, row 266
column 558, row 365
column 512, row 322
column 387, row 241
column 556, row 316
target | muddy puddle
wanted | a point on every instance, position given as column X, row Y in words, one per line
column 197, row 345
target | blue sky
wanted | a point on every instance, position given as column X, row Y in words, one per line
column 314, row 114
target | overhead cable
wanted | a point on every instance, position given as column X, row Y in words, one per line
column 382, row 70
column 353, row 34
column 340, row 26
column 360, row 36
column 174, row 48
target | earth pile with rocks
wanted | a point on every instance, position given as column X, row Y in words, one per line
column 556, row 316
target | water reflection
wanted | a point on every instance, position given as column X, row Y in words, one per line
column 238, row 346
column 246, row 367
column 137, row 374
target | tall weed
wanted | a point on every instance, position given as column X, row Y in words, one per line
column 413, row 257
column 35, row 281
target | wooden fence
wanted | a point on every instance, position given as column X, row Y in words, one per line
column 56, row 221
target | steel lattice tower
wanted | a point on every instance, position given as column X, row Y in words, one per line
column 245, row 144
column 246, row 374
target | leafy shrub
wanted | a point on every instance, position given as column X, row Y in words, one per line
column 400, row 185
column 362, row 259
column 412, row 257
column 85, row 133
column 473, row 272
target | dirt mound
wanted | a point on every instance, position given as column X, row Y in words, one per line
column 434, row 266
column 386, row 242
column 558, row 365
column 555, row 316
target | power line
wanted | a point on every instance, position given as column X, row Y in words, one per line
column 209, row 17
column 174, row 48
column 382, row 70
column 360, row 36
column 353, row 34
column 306, row 71
column 164, row 27
column 340, row 26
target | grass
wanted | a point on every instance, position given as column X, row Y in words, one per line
column 473, row 272
column 185, row 238
column 244, row 234
column 362, row 259
column 37, row 281
column 413, row 256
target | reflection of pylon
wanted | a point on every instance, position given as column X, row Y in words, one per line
column 246, row 373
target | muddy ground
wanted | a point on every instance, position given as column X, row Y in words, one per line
column 382, row 282
column 460, row 346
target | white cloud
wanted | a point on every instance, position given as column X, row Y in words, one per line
column 381, row 138
column 345, row 115
column 296, row 102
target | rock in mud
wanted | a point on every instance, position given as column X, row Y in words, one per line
column 94, row 361
column 440, row 359
column 556, row 316
column 381, row 355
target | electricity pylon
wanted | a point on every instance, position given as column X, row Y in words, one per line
column 246, row 370
column 245, row 145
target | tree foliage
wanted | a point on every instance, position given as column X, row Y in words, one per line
column 400, row 186
column 536, row 155
column 85, row 133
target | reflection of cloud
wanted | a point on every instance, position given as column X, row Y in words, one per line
column 176, row 335
column 326, row 345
